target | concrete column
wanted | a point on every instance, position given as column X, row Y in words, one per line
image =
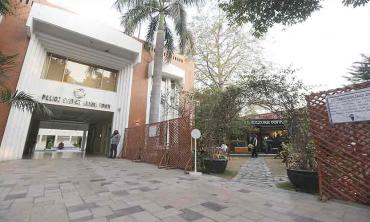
column 83, row 141
column 56, row 141
column 15, row 134
column 16, row 130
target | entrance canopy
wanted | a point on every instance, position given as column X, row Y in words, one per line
column 78, row 115
column 75, row 31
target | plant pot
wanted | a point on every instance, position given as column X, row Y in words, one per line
column 304, row 180
column 215, row 165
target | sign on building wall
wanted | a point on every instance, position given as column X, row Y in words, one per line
column 266, row 122
column 79, row 94
column 349, row 107
column 153, row 131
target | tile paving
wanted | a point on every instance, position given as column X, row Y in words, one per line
column 255, row 173
column 105, row 190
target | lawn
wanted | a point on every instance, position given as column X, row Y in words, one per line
column 233, row 167
column 277, row 169
column 276, row 166
column 286, row 186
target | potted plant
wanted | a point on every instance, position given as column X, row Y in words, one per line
column 215, row 163
column 299, row 156
column 301, row 167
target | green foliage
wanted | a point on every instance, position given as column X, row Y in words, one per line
column 301, row 158
column 217, row 114
column 158, row 14
column 263, row 14
column 355, row 3
column 20, row 100
column 281, row 93
column 360, row 71
column 5, row 7
column 24, row 102
column 276, row 90
column 299, row 153
column 286, row 186
column 6, row 64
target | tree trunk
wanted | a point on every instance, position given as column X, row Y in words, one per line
column 155, row 96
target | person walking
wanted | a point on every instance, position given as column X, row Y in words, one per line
column 114, row 141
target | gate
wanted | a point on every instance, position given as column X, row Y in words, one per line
column 166, row 144
column 342, row 151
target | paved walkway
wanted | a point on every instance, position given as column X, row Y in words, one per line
column 255, row 173
column 101, row 190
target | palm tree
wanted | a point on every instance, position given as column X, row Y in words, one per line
column 360, row 71
column 4, row 7
column 18, row 99
column 158, row 13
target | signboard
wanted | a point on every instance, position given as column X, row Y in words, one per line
column 79, row 94
column 267, row 122
column 349, row 107
column 153, row 131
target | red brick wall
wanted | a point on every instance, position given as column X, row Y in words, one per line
column 139, row 91
column 13, row 40
column 140, row 86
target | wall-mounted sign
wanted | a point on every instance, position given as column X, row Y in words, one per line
column 349, row 107
column 267, row 122
column 153, row 131
column 74, row 101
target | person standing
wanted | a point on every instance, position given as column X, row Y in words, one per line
column 114, row 141
column 254, row 149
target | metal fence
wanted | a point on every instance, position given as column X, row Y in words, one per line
column 166, row 144
column 342, row 151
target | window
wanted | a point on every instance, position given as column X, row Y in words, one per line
column 170, row 90
column 62, row 69
column 54, row 68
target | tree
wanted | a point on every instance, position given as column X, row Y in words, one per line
column 278, row 91
column 222, row 52
column 4, row 7
column 18, row 99
column 263, row 14
column 217, row 113
column 281, row 93
column 158, row 13
column 360, row 71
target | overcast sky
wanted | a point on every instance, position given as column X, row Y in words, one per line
column 322, row 48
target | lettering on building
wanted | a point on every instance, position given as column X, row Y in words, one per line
column 74, row 101
column 266, row 122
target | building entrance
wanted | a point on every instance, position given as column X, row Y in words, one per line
column 70, row 132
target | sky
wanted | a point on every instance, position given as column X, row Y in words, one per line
column 322, row 48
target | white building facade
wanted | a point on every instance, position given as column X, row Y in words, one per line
column 58, row 33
